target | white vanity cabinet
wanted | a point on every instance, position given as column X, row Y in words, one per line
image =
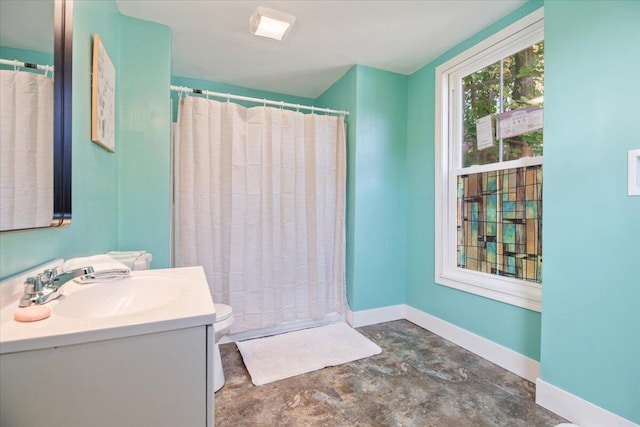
column 143, row 372
column 157, row 379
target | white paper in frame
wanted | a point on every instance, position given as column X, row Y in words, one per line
column 103, row 97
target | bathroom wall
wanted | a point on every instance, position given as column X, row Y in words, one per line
column 510, row 326
column 24, row 55
column 342, row 95
column 591, row 291
column 145, row 144
column 94, row 222
column 98, row 175
column 376, row 200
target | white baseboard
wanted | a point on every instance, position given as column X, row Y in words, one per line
column 504, row 357
column 576, row 409
column 375, row 315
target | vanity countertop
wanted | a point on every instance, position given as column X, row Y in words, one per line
column 184, row 301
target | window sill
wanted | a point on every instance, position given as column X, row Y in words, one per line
column 511, row 291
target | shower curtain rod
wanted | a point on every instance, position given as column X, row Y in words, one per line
column 258, row 100
column 15, row 63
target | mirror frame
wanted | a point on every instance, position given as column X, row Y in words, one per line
column 62, row 118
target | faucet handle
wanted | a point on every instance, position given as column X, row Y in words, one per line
column 47, row 275
column 30, row 285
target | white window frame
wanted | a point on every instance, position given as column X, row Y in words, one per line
column 512, row 39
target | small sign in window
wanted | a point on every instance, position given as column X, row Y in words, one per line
column 519, row 122
column 484, row 129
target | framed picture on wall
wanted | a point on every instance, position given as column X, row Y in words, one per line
column 103, row 97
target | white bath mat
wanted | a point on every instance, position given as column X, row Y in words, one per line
column 287, row 355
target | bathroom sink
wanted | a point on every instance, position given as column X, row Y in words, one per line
column 146, row 302
column 133, row 294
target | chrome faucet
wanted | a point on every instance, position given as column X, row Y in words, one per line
column 47, row 286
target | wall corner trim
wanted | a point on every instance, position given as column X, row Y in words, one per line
column 375, row 315
column 576, row 409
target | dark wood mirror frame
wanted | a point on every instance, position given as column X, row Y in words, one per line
column 62, row 118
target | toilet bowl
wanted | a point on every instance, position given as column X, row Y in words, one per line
column 224, row 320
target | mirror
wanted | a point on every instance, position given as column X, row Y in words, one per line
column 35, row 114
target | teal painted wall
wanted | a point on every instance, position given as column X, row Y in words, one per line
column 380, row 194
column 510, row 326
column 24, row 55
column 342, row 95
column 145, row 148
column 98, row 175
column 376, row 184
column 94, row 220
column 591, row 293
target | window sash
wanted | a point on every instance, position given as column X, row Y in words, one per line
column 526, row 32
column 509, row 164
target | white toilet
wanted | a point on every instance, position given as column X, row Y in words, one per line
column 224, row 320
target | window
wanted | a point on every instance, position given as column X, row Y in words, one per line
column 489, row 153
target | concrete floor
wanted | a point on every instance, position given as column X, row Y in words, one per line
column 419, row 379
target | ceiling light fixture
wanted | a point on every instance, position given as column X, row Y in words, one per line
column 271, row 23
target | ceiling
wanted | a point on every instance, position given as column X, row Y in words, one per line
column 211, row 39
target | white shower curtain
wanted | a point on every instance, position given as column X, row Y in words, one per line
column 26, row 150
column 260, row 197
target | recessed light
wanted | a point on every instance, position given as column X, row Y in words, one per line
column 271, row 23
